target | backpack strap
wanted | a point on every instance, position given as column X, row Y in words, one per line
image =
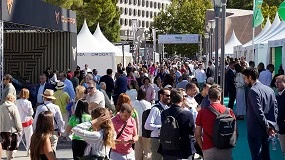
column 159, row 107
column 210, row 107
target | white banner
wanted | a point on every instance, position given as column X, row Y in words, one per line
column 178, row 38
column 95, row 54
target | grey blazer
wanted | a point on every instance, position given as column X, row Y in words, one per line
column 262, row 110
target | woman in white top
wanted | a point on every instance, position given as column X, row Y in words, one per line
column 133, row 88
column 143, row 145
column 26, row 112
column 240, row 93
column 99, row 133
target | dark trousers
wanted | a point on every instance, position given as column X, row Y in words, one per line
column 232, row 98
column 115, row 99
column 78, row 148
column 259, row 148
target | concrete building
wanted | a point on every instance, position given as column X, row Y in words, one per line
column 142, row 10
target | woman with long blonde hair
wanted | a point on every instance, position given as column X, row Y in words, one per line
column 101, row 137
column 40, row 142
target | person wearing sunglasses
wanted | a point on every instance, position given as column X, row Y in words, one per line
column 94, row 96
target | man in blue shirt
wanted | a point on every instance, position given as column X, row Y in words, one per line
column 68, row 85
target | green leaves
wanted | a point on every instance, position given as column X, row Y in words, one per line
column 182, row 17
column 103, row 12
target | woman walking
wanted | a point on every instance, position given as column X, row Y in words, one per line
column 99, row 133
column 80, row 116
column 26, row 112
column 240, row 93
column 40, row 142
column 10, row 126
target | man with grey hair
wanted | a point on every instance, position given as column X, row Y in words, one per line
column 108, row 103
column 211, row 80
column 8, row 87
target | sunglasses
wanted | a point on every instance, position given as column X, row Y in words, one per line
column 185, row 96
column 167, row 95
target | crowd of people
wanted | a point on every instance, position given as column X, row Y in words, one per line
column 153, row 111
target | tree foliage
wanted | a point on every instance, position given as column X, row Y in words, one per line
column 269, row 7
column 182, row 17
column 103, row 12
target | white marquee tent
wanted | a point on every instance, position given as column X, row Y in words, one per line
column 91, row 51
column 107, row 44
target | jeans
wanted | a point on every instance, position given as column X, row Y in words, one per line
column 259, row 148
column 78, row 148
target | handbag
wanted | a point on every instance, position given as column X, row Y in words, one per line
column 9, row 139
column 94, row 157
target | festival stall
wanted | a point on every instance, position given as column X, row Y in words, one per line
column 276, row 51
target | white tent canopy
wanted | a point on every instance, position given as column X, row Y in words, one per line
column 105, row 42
column 86, row 43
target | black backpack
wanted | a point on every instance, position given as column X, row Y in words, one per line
column 146, row 133
column 169, row 132
column 224, row 129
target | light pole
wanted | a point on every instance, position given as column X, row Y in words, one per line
column 212, row 26
column 206, row 47
column 217, row 8
column 224, row 7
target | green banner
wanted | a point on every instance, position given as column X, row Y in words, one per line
column 257, row 13
column 281, row 11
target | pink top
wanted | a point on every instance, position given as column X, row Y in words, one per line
column 129, row 132
column 150, row 92
column 129, row 79
column 152, row 70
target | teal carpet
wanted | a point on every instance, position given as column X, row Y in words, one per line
column 241, row 151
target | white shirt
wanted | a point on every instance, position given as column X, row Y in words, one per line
column 193, row 105
column 153, row 121
column 40, row 92
column 132, row 93
column 97, row 97
column 87, row 70
column 200, row 75
column 56, row 113
column 25, row 109
column 265, row 77
column 93, row 138
column 140, row 107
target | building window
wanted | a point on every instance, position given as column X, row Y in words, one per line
column 140, row 23
column 159, row 5
column 155, row 5
column 147, row 14
column 130, row 22
column 143, row 13
column 130, row 12
column 154, row 14
column 151, row 14
column 147, row 3
column 135, row 12
column 121, row 21
column 147, row 24
column 139, row 2
column 135, row 2
column 126, row 1
column 121, row 10
column 151, row 4
column 126, row 11
column 143, row 23
column 139, row 13
column 121, row 1
column 143, row 3
column 130, row 2
column 126, row 22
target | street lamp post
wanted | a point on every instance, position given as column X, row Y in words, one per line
column 212, row 26
column 206, row 46
column 217, row 9
column 224, row 5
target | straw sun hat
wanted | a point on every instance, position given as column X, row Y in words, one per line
column 48, row 94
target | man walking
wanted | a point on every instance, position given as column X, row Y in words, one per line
column 109, row 82
column 230, row 83
column 186, row 129
column 153, row 122
column 261, row 115
column 205, row 121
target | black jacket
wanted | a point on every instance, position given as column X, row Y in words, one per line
column 109, row 83
column 186, row 127
column 281, row 113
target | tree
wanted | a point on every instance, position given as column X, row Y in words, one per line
column 182, row 17
column 104, row 12
column 269, row 7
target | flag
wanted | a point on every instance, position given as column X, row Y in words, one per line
column 257, row 13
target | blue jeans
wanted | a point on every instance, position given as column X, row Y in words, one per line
column 259, row 148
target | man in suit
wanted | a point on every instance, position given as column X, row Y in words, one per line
column 121, row 85
column 40, row 89
column 108, row 80
column 261, row 115
column 280, row 84
column 210, row 70
column 230, row 82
